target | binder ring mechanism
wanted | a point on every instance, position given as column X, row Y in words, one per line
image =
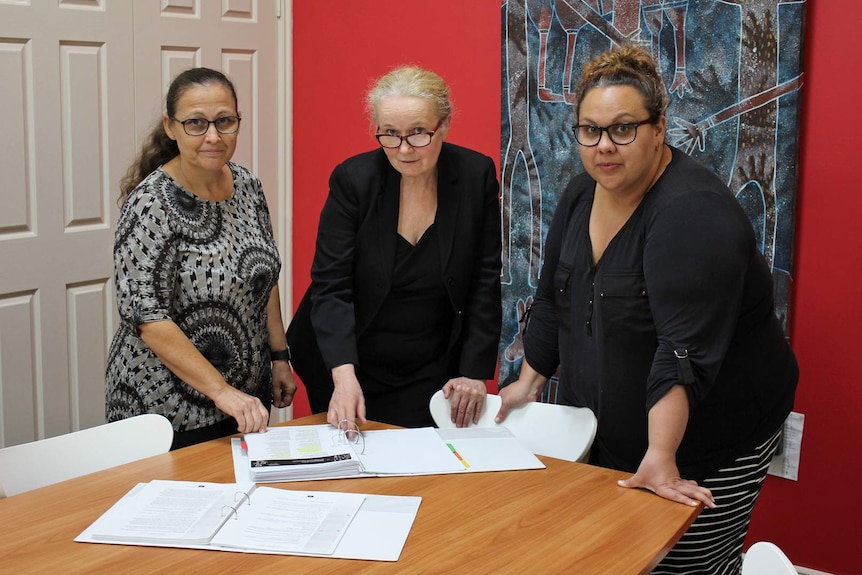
column 348, row 433
column 239, row 496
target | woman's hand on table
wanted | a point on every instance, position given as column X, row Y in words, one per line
column 658, row 473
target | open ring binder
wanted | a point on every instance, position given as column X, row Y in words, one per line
column 207, row 516
column 349, row 433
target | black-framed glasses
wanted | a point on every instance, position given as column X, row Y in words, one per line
column 199, row 126
column 620, row 134
column 419, row 140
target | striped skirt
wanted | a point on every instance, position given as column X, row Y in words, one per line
column 713, row 543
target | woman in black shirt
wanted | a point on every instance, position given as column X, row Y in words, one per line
column 658, row 309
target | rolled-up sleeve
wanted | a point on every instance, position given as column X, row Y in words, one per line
column 696, row 255
column 144, row 261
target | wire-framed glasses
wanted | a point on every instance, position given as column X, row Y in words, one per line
column 348, row 434
column 418, row 140
column 620, row 134
column 199, row 126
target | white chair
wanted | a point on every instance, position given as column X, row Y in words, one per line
column 765, row 558
column 47, row 461
column 560, row 431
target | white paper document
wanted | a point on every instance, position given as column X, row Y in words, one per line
column 306, row 523
column 171, row 511
column 489, row 449
column 249, row 519
column 785, row 462
column 407, row 452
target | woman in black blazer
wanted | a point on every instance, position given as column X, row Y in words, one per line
column 405, row 294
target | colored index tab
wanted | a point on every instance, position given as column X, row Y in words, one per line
column 458, row 455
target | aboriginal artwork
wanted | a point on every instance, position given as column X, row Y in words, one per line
column 733, row 71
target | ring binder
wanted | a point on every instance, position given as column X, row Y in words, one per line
column 280, row 520
column 349, row 434
column 238, row 498
column 291, row 453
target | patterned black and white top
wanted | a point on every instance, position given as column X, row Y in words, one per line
column 207, row 266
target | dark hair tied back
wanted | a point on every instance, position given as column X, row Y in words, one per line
column 158, row 148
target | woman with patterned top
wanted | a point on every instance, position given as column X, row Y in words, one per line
column 201, row 339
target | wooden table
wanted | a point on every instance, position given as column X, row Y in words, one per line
column 567, row 518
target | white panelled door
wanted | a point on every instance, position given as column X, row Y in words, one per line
column 82, row 82
column 67, row 101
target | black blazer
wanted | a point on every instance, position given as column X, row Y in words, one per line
column 355, row 256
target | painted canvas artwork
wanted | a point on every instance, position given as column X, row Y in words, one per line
column 733, row 71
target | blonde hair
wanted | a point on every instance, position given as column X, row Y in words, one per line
column 627, row 66
column 410, row 81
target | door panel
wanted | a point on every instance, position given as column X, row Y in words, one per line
column 62, row 63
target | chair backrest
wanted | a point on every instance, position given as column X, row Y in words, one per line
column 765, row 558
column 560, row 431
column 46, row 461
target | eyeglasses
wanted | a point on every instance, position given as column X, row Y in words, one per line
column 622, row 134
column 419, row 140
column 200, row 126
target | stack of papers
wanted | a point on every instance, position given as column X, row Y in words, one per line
column 296, row 453
column 293, row 453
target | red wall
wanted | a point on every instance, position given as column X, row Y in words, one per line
column 337, row 54
column 817, row 518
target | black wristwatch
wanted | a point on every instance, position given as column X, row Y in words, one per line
column 283, row 355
